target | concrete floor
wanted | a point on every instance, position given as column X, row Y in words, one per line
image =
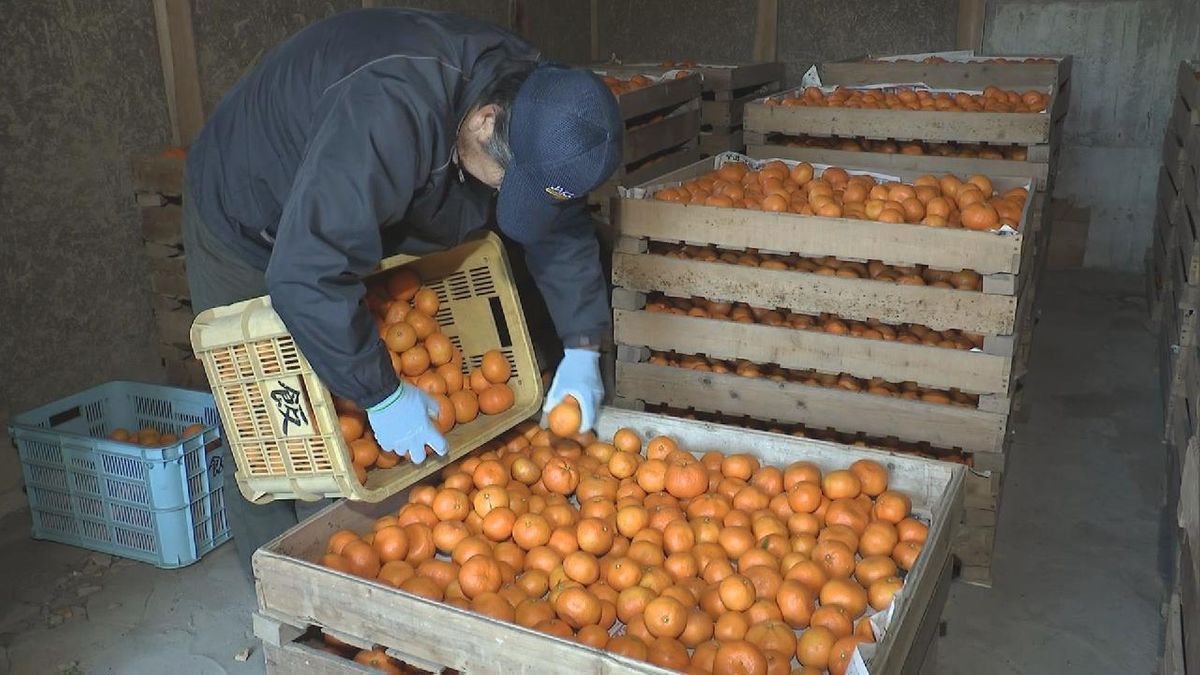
column 1078, row 580
column 1079, row 549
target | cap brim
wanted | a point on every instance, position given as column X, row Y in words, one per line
column 524, row 211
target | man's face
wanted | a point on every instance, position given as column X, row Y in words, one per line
column 474, row 134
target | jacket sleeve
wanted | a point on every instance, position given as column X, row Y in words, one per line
column 358, row 171
column 565, row 264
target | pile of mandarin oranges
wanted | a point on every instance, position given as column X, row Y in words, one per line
column 871, row 329
column 1016, row 153
column 842, row 381
column 993, row 99
column 424, row 357
column 716, row 563
column 949, row 201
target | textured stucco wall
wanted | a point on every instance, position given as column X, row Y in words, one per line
column 561, row 28
column 1125, row 56
column 232, row 36
column 82, row 92
column 810, row 31
column 831, row 30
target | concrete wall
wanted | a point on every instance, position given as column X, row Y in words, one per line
column 232, row 36
column 82, row 93
column 815, row 30
column 1125, row 57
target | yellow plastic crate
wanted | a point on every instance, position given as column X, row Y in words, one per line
column 279, row 418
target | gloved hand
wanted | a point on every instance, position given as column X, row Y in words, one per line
column 578, row 376
column 401, row 423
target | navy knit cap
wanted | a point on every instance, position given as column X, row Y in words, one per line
column 565, row 137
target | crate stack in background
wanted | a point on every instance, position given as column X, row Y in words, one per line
column 661, row 110
column 1173, row 287
column 985, row 382
column 727, row 90
column 1173, row 265
column 158, row 189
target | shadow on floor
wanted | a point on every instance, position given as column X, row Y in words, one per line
column 1078, row 568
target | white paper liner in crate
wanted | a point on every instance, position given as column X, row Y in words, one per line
column 962, row 56
column 757, row 164
column 880, row 621
column 698, row 69
column 659, row 77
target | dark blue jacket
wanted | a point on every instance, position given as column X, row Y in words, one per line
column 346, row 130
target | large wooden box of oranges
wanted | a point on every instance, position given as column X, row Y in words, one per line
column 1005, row 131
column 727, row 88
column 454, row 324
column 954, row 69
column 661, row 111
column 1174, row 260
column 549, row 553
column 158, row 191
column 803, row 318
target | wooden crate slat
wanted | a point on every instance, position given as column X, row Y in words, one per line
column 897, row 243
column 161, row 225
column 660, row 135
column 742, row 76
column 716, row 142
column 726, row 114
column 914, row 421
column 157, row 174
column 173, row 318
column 716, row 77
column 981, row 127
column 168, row 276
column 857, row 299
column 1188, row 88
column 658, row 96
column 971, row 372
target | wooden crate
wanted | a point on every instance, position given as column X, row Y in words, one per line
column 1176, row 138
column 1187, row 85
column 1185, row 243
column 716, row 142
column 1029, row 129
column 942, row 425
column 1158, row 259
column 726, row 89
column 295, row 593
column 973, row 72
column 1002, row 312
column 662, row 130
column 158, row 192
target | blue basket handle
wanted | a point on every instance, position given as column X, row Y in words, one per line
column 64, row 416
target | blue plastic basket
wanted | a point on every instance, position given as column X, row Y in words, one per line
column 162, row 505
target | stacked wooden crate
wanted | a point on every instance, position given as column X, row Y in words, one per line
column 662, row 128
column 299, row 597
column 1003, row 311
column 158, row 189
column 1173, row 265
column 1173, row 286
column 991, row 372
column 727, row 90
